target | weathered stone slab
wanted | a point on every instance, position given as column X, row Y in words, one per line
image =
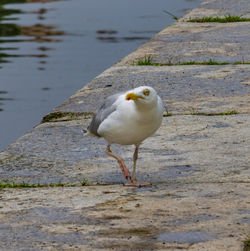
column 220, row 8
column 165, row 217
column 185, row 149
column 184, row 89
column 196, row 42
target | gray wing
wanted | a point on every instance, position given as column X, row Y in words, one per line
column 103, row 112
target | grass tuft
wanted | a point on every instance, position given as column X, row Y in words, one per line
column 172, row 15
column 147, row 60
column 226, row 19
column 84, row 182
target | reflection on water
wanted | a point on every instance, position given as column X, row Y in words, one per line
column 3, row 97
column 5, row 13
column 12, row 33
column 116, row 39
column 35, row 33
column 14, row 36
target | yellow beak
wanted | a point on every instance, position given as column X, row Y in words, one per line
column 133, row 96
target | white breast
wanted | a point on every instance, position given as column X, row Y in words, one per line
column 127, row 125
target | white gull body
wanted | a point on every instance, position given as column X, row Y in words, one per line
column 128, row 119
column 132, row 122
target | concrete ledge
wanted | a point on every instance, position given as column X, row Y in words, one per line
column 184, row 89
column 185, row 149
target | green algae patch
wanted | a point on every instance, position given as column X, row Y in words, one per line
column 226, row 19
column 148, row 61
column 196, row 113
column 246, row 245
column 65, row 116
column 209, row 62
column 27, row 185
column 227, row 113
column 168, row 114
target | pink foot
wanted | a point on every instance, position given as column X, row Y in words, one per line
column 125, row 171
column 136, row 183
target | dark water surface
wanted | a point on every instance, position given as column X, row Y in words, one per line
column 50, row 49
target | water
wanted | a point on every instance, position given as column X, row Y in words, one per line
column 50, row 49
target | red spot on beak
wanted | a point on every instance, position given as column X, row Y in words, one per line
column 128, row 98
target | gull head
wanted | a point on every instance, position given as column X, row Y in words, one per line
column 142, row 94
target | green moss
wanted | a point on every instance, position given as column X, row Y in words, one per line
column 193, row 112
column 197, row 113
column 226, row 19
column 65, row 116
column 147, row 60
column 26, row 185
column 54, row 116
column 229, row 112
column 210, row 62
column 246, row 244
column 167, row 114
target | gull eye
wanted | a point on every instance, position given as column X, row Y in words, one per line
column 146, row 92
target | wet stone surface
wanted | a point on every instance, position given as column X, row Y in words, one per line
column 96, row 217
column 185, row 237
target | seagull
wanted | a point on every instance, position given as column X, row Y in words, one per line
column 128, row 119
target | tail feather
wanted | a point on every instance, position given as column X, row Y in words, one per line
column 86, row 132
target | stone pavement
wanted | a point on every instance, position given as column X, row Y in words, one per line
column 198, row 161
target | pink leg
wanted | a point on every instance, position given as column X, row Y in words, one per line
column 133, row 182
column 120, row 161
